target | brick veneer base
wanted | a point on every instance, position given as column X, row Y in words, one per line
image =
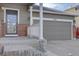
column 22, row 30
column 1, row 28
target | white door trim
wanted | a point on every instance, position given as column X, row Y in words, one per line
column 4, row 8
column 63, row 20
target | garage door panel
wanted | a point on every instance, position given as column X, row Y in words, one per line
column 56, row 30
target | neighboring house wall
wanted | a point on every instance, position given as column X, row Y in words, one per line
column 23, row 18
column 71, row 10
column 77, row 21
column 75, row 11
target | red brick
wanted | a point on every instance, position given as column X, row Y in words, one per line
column 22, row 30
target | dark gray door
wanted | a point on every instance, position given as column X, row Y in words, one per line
column 57, row 30
column 11, row 21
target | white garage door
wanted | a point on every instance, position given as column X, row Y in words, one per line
column 57, row 30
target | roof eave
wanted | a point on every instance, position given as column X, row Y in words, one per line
column 65, row 14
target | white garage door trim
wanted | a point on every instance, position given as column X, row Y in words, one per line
column 51, row 19
column 63, row 20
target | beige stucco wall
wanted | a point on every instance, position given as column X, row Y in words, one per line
column 77, row 21
column 23, row 17
column 72, row 10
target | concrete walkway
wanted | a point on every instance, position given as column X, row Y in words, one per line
column 18, row 43
column 64, row 47
column 21, row 43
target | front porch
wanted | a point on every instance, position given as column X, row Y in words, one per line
column 23, row 43
column 17, row 20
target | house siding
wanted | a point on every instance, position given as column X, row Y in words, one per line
column 23, row 18
column 53, row 16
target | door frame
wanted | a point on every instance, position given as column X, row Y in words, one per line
column 4, row 8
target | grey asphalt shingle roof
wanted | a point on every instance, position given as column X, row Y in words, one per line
column 45, row 8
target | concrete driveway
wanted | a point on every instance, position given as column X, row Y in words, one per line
column 64, row 47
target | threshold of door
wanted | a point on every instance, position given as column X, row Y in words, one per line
column 12, row 35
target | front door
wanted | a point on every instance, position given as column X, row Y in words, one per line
column 11, row 22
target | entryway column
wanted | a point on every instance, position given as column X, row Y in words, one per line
column 42, row 41
column 41, row 21
column 31, row 20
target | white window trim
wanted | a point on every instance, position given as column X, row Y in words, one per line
column 63, row 20
column 4, row 8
